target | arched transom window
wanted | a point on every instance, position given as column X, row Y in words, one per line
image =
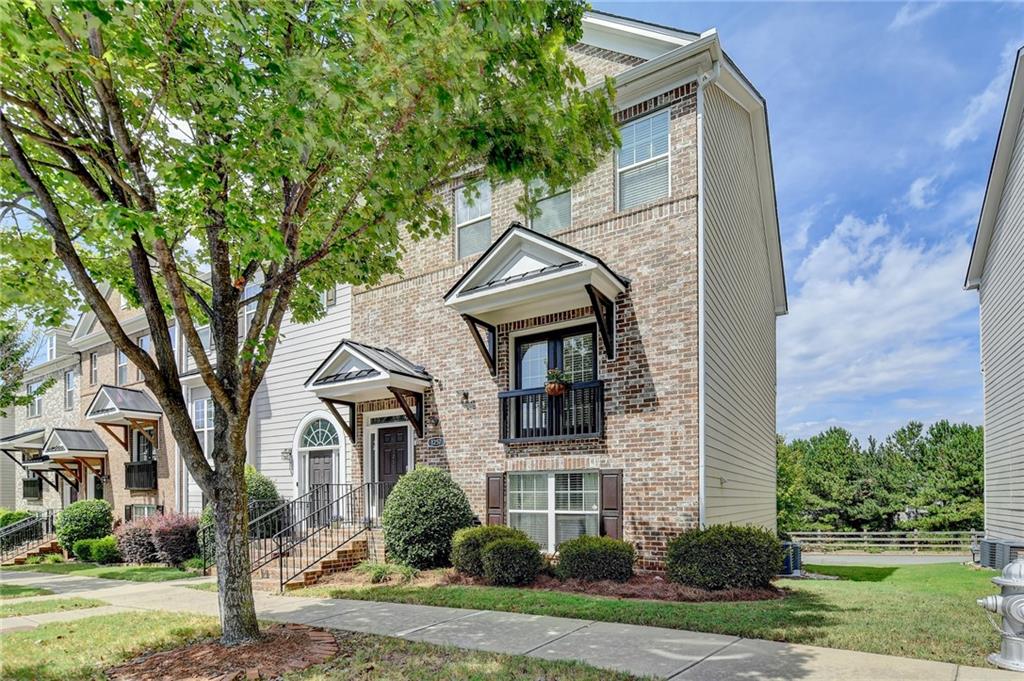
column 319, row 433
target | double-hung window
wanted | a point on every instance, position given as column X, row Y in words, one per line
column 144, row 345
column 202, row 418
column 121, row 367
column 552, row 508
column 51, row 348
column 642, row 160
column 94, row 368
column 69, row 390
column 35, row 407
column 554, row 209
column 473, row 219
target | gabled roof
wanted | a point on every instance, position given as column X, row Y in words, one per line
column 73, row 442
column 1006, row 142
column 356, row 371
column 524, row 273
column 26, row 439
column 112, row 403
column 631, row 36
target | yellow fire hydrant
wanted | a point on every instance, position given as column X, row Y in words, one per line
column 1010, row 605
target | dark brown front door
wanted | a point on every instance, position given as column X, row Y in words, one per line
column 392, row 459
column 320, row 477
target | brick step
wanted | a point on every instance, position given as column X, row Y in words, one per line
column 52, row 547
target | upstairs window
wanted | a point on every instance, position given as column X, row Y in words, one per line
column 331, row 297
column 642, row 161
column 142, row 445
column 121, row 367
column 473, row 220
column 51, row 348
column 69, row 390
column 554, row 209
column 144, row 345
column 94, row 368
column 35, row 407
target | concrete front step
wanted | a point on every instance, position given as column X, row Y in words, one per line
column 52, row 547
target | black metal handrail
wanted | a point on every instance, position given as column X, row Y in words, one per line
column 140, row 474
column 265, row 519
column 531, row 415
column 25, row 535
column 32, row 488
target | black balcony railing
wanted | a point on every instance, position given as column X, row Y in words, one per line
column 530, row 415
column 140, row 475
column 32, row 488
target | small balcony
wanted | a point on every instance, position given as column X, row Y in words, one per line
column 32, row 488
column 140, row 475
column 530, row 415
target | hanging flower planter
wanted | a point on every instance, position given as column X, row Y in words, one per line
column 556, row 384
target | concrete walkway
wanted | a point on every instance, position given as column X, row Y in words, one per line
column 643, row 651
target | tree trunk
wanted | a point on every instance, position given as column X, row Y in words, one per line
column 231, row 525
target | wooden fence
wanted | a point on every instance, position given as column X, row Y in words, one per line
column 874, row 542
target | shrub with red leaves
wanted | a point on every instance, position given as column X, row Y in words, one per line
column 175, row 538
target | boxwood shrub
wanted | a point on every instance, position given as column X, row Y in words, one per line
column 723, row 557
column 135, row 541
column 595, row 558
column 421, row 514
column 85, row 519
column 468, row 543
column 511, row 562
column 82, row 550
column 104, row 551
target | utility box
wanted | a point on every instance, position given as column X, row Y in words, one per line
column 791, row 562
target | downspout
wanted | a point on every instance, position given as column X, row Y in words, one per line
column 703, row 80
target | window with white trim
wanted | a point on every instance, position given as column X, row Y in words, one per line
column 552, row 508
column 143, row 510
column 330, row 297
column 121, row 367
column 642, row 161
column 142, row 445
column 473, row 219
column 51, row 348
column 94, row 368
column 144, row 345
column 202, row 420
column 251, row 289
column 35, row 407
column 69, row 390
column 554, row 209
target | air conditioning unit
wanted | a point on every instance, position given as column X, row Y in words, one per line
column 997, row 553
column 791, row 562
column 987, row 553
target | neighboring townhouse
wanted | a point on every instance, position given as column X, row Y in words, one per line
column 121, row 420
column 39, row 483
column 653, row 285
column 996, row 271
column 10, row 479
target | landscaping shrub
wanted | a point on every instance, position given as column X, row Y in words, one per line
column 258, row 488
column 595, row 558
column 104, row 551
column 421, row 514
column 82, row 550
column 723, row 557
column 511, row 562
column 174, row 538
column 10, row 517
column 86, row 519
column 383, row 572
column 135, row 541
column 468, row 543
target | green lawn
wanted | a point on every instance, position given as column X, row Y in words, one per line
column 923, row 611
column 16, row 591
column 84, row 648
column 15, row 608
column 131, row 573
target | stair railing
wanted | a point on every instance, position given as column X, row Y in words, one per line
column 25, row 535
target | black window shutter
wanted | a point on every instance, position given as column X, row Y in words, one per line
column 128, row 513
column 611, row 503
column 495, row 498
column 160, row 510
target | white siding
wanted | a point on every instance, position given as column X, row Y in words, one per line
column 1002, row 359
column 739, row 326
column 10, row 473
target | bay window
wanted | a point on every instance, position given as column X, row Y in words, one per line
column 552, row 508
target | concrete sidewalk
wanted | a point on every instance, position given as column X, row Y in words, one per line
column 643, row 651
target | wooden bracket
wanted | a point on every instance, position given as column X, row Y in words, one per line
column 10, row 455
column 121, row 440
column 98, row 472
column 350, row 426
column 47, row 480
column 76, row 471
column 66, row 479
column 143, row 427
column 489, row 348
column 415, row 418
column 604, row 314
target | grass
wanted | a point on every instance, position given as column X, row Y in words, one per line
column 131, row 573
column 17, row 608
column 82, row 649
column 922, row 611
column 17, row 591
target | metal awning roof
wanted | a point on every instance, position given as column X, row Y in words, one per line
column 72, row 442
column 113, row 404
column 358, row 372
column 42, row 463
column 26, row 439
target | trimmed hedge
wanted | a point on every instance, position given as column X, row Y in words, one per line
column 86, row 519
column 421, row 514
column 174, row 538
column 596, row 558
column 511, row 562
column 103, row 550
column 82, row 550
column 135, row 541
column 468, row 543
column 258, row 487
column 724, row 557
column 10, row 517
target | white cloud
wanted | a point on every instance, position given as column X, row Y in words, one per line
column 877, row 317
column 921, row 193
column 982, row 106
column 911, row 13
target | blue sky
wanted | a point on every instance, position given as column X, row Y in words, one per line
column 883, row 119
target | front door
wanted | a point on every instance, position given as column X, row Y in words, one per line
column 321, row 474
column 393, row 457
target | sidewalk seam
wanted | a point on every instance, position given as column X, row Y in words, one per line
column 558, row 638
column 697, row 662
column 403, row 634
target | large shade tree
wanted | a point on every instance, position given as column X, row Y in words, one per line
column 202, row 158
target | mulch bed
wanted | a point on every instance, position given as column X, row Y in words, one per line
column 283, row 648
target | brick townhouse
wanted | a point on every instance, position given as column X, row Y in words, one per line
column 654, row 284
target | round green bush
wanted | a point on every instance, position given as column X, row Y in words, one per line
column 724, row 557
column 511, row 562
column 259, row 488
column 82, row 550
column 86, row 519
column 104, row 550
column 596, row 558
column 421, row 514
column 11, row 517
column 468, row 543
